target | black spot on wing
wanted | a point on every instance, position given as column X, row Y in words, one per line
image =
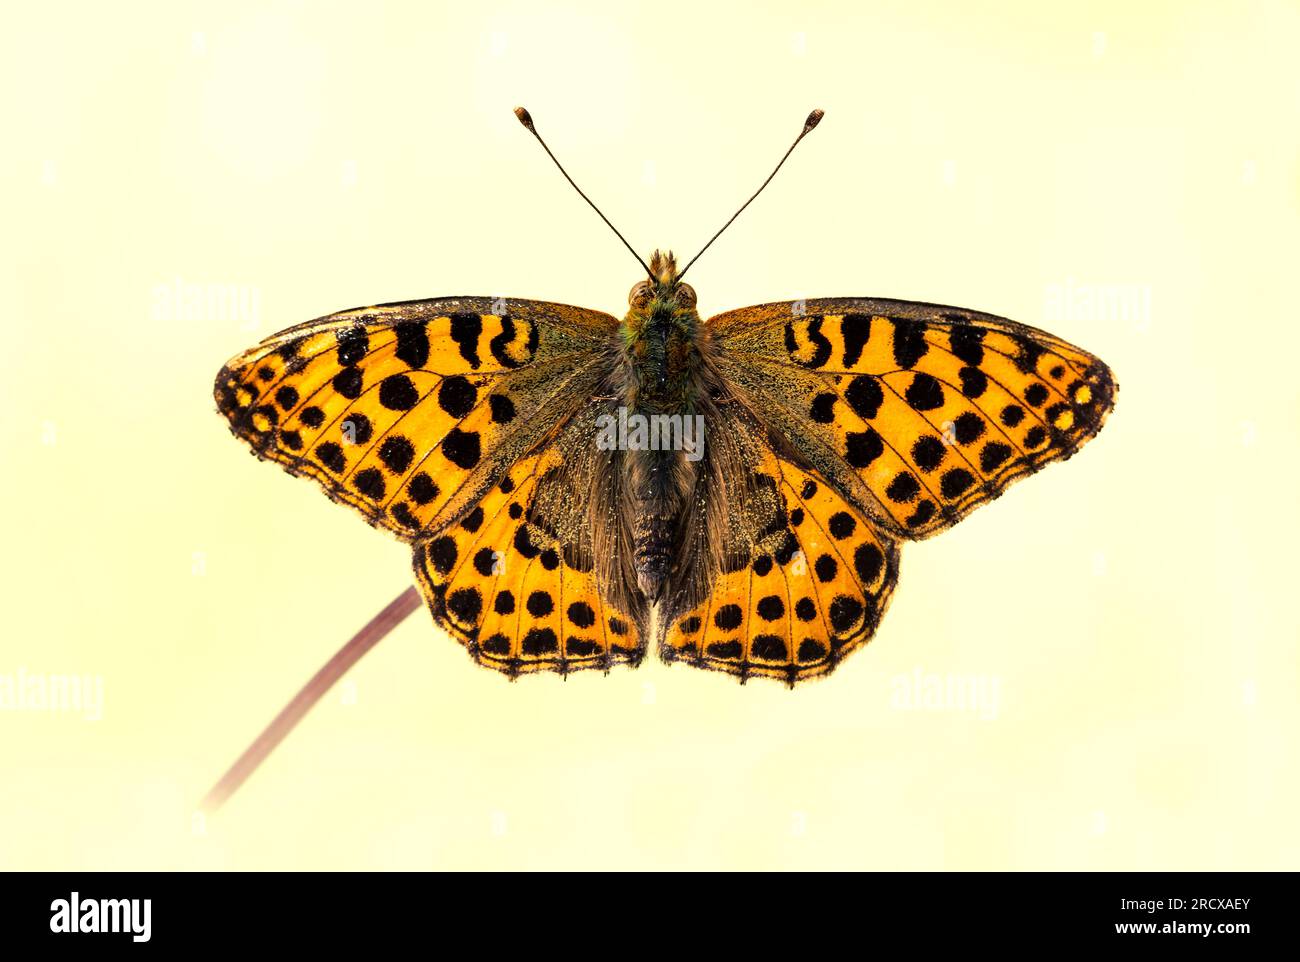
column 845, row 612
column 485, row 561
column 540, row 641
column 442, row 554
column 867, row 562
column 402, row 512
column 856, row 331
column 422, row 489
column 331, row 455
column 357, row 428
column 724, row 649
column 540, row 604
column 348, row 382
column 462, row 449
column 581, row 614
column 955, row 482
column 822, row 410
column 1027, row 356
column 966, row 344
column 353, row 344
column 811, row 650
column 370, row 482
column 974, row 382
column 412, row 343
column 924, row 512
column 903, row 488
column 465, row 330
column 994, row 454
column 968, row 427
column 503, row 409
column 924, row 393
column 864, row 396
column 466, row 604
column 457, row 396
column 397, row 393
column 863, row 447
column 728, row 617
column 842, row 525
column 397, row 453
column 474, row 520
column 928, row 452
column 909, row 341
column 769, row 648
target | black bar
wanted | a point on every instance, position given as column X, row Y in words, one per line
column 332, row 911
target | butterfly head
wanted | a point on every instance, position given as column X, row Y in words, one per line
column 661, row 293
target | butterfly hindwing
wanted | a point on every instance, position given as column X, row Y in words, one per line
column 811, row 588
column 408, row 412
column 920, row 413
column 517, row 588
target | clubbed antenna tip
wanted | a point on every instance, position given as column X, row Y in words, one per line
column 813, row 120
column 526, row 119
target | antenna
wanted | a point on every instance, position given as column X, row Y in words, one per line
column 526, row 119
column 813, row 120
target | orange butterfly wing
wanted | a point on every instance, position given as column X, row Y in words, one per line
column 887, row 420
column 433, row 419
column 919, row 413
column 520, row 597
column 408, row 412
column 809, row 593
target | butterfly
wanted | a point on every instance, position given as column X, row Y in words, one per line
column 577, row 488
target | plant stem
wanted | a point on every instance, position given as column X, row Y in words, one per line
column 312, row 692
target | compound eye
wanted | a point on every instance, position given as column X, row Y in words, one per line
column 685, row 295
column 640, row 295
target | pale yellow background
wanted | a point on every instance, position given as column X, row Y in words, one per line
column 1136, row 608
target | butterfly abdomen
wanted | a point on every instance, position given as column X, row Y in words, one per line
column 661, row 391
column 653, row 540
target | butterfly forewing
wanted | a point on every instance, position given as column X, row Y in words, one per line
column 409, row 412
column 919, row 413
